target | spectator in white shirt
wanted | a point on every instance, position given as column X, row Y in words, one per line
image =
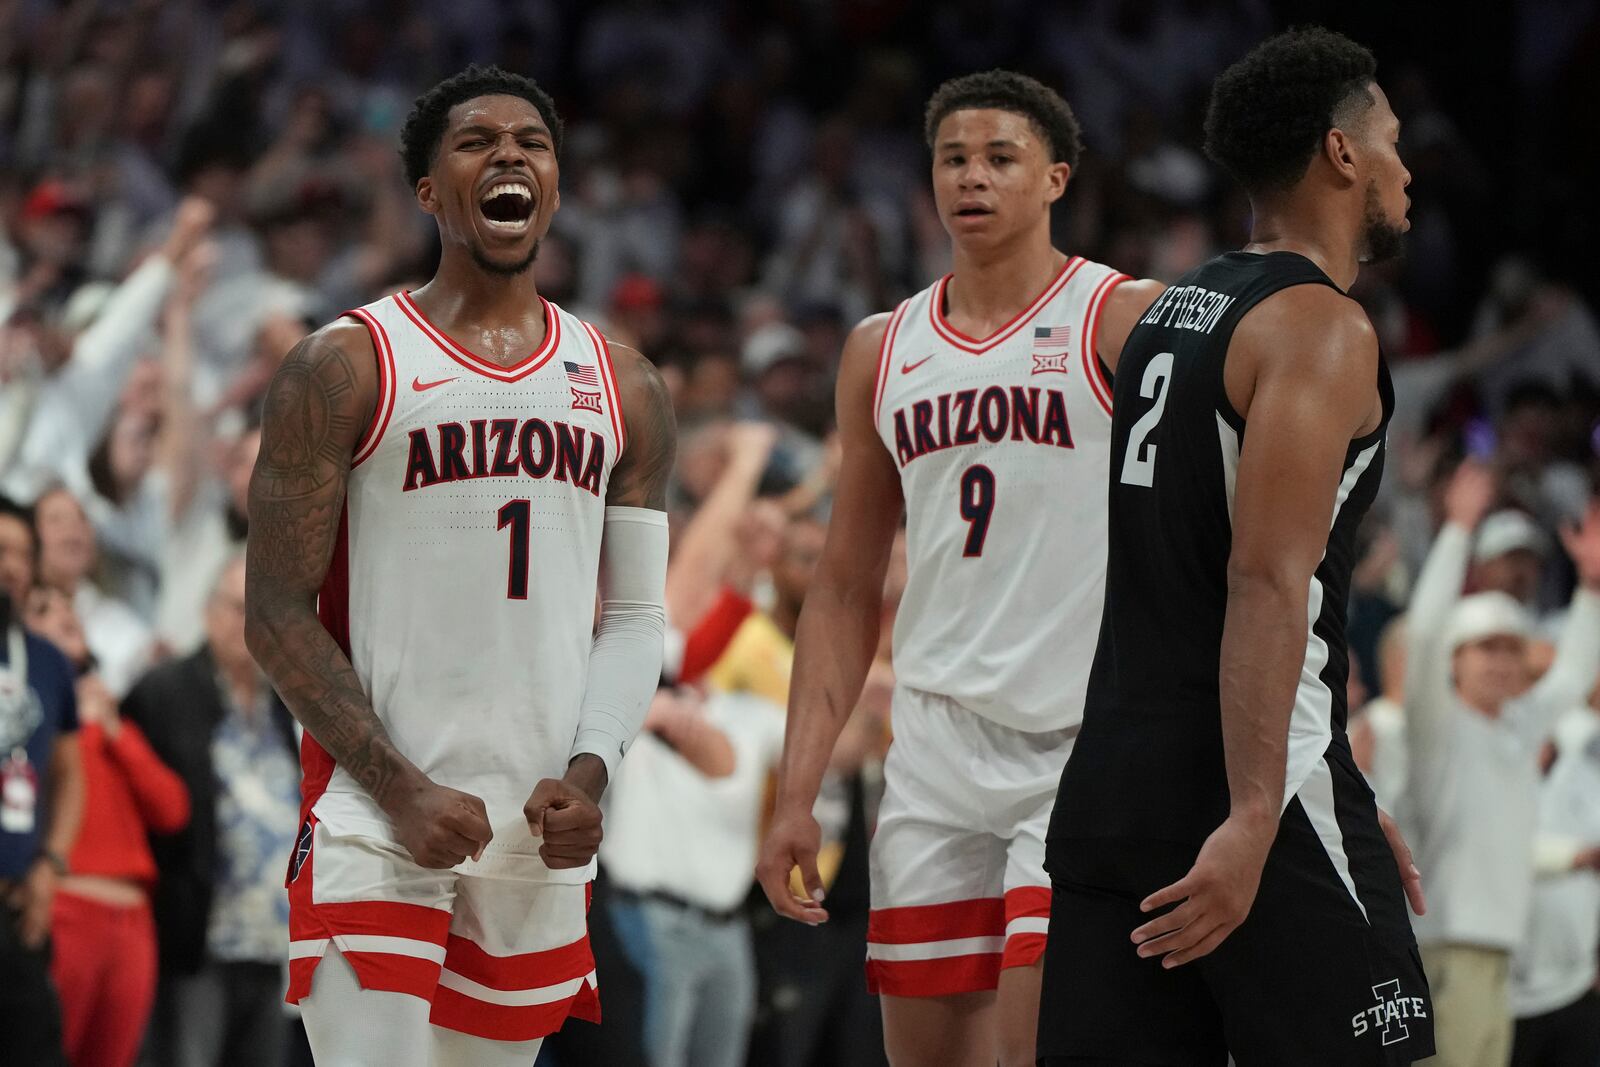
column 122, row 644
column 72, row 405
column 1554, row 970
column 682, row 827
column 1474, row 729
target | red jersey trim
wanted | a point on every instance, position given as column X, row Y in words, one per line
column 885, row 354
column 477, row 364
column 608, row 380
column 977, row 346
column 384, row 352
column 1091, row 323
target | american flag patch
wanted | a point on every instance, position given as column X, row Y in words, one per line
column 1052, row 349
column 1050, row 337
column 583, row 375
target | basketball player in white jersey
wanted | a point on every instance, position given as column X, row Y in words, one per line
column 980, row 411
column 445, row 476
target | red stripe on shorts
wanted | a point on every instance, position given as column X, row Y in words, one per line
column 1029, row 901
column 933, row 978
column 920, row 923
column 457, row 1011
column 385, row 918
column 528, row 970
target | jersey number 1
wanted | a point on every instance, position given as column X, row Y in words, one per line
column 1139, row 464
column 517, row 514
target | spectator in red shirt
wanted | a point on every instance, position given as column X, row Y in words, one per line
column 105, row 936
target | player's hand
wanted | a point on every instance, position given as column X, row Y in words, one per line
column 440, row 826
column 1582, row 542
column 792, row 841
column 1212, row 899
column 1470, row 494
column 1410, row 877
column 568, row 820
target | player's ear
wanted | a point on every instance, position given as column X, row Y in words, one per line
column 1340, row 150
column 1056, row 181
column 426, row 197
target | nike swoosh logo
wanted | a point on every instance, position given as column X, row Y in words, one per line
column 907, row 368
column 422, row 387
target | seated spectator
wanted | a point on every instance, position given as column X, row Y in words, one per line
column 222, row 914
column 1474, row 730
column 122, row 644
column 105, row 935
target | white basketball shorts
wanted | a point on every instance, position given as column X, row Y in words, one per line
column 959, row 890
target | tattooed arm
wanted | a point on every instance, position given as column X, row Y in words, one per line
column 625, row 660
column 320, row 400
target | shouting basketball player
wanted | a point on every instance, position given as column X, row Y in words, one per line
column 980, row 409
column 1223, row 884
column 445, row 475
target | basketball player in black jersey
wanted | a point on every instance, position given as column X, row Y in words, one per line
column 1222, row 884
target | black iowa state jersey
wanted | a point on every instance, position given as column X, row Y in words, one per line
column 1149, row 760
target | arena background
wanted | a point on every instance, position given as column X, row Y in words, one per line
column 741, row 182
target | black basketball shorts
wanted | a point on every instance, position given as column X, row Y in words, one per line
column 1323, row 973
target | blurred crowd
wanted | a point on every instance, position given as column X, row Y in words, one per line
column 187, row 187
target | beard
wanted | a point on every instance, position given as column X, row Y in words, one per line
column 505, row 270
column 1381, row 239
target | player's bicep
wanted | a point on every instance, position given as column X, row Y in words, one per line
column 641, row 474
column 1125, row 305
column 1303, row 414
column 318, row 404
column 867, row 503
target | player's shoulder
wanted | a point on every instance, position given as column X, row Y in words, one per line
column 1322, row 325
column 344, row 339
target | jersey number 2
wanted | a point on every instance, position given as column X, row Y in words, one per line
column 517, row 514
column 1139, row 465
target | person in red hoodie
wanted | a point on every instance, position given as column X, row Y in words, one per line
column 105, row 936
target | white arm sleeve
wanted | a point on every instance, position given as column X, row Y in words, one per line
column 625, row 661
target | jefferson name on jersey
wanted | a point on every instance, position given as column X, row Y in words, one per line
column 505, row 448
column 1188, row 307
column 971, row 416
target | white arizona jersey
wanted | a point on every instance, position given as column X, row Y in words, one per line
column 1003, row 446
column 463, row 581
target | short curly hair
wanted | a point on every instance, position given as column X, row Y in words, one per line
column 1271, row 109
column 425, row 126
column 1006, row 90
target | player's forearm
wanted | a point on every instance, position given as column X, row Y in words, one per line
column 321, row 689
column 834, row 643
column 1263, row 649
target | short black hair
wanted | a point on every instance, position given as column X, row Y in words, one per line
column 22, row 513
column 1271, row 109
column 425, row 126
column 1006, row 90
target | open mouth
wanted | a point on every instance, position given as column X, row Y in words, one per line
column 972, row 212
column 507, row 205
